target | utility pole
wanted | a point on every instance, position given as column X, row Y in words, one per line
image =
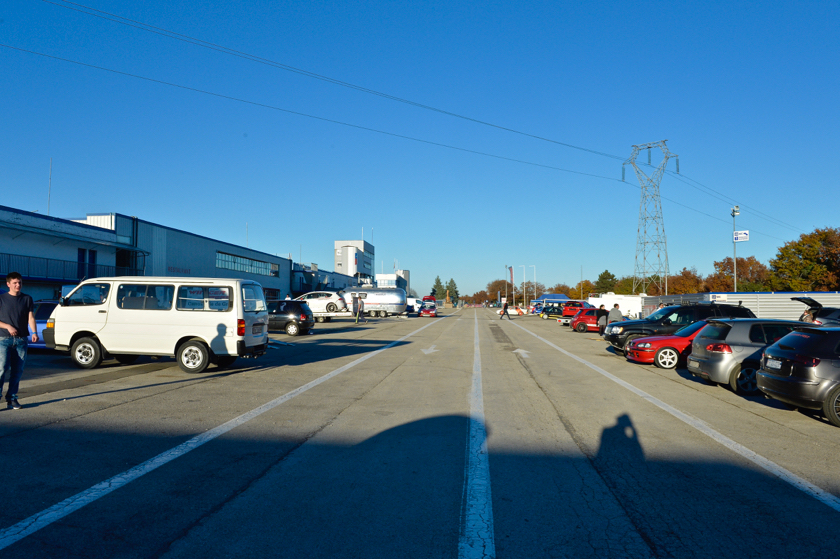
column 651, row 243
column 735, row 211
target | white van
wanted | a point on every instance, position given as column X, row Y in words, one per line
column 378, row 302
column 197, row 320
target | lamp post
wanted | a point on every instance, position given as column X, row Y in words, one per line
column 735, row 211
column 505, row 278
column 524, row 302
column 534, row 266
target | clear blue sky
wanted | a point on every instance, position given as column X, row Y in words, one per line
column 746, row 94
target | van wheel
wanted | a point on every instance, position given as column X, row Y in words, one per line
column 86, row 353
column 292, row 329
column 224, row 361
column 742, row 379
column 831, row 407
column 193, row 356
column 126, row 359
column 581, row 327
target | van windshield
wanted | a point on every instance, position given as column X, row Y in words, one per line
column 253, row 299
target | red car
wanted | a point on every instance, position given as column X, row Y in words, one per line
column 571, row 308
column 664, row 351
column 585, row 321
column 428, row 310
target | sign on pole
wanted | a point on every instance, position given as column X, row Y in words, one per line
column 741, row 236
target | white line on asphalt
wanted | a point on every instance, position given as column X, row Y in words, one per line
column 17, row 532
column 477, row 538
column 771, row 467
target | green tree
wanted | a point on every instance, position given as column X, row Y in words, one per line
column 605, row 283
column 811, row 263
column 453, row 291
column 438, row 290
column 623, row 286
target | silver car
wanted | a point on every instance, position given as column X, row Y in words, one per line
column 728, row 351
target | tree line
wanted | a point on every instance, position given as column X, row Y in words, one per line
column 810, row 263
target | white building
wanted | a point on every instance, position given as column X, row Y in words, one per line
column 400, row 278
column 355, row 258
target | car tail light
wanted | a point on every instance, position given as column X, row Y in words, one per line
column 719, row 348
column 303, row 317
column 240, row 327
column 817, row 322
column 807, row 361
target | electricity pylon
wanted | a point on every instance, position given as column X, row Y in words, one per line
column 651, row 244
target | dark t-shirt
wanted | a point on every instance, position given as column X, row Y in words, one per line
column 15, row 312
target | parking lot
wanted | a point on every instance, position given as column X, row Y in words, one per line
column 458, row 436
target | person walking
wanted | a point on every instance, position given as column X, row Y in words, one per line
column 360, row 310
column 614, row 315
column 602, row 314
column 16, row 322
column 504, row 312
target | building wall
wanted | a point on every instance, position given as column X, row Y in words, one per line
column 355, row 258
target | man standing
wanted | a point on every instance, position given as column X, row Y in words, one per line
column 504, row 312
column 615, row 315
column 16, row 322
column 602, row 314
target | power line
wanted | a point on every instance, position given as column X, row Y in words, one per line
column 351, row 125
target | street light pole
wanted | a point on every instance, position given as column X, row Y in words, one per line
column 524, row 302
column 735, row 211
column 505, row 278
column 534, row 266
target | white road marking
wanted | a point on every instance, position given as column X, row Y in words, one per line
column 430, row 350
column 523, row 353
column 17, row 532
column 477, row 538
column 768, row 465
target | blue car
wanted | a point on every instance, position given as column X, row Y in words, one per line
column 42, row 311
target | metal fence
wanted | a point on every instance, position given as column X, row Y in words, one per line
column 35, row 267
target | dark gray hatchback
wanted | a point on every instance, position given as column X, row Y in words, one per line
column 803, row 370
column 728, row 351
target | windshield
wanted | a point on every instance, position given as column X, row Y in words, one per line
column 687, row 331
column 660, row 313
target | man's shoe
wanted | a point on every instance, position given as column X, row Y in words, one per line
column 13, row 404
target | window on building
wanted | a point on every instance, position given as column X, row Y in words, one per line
column 241, row 264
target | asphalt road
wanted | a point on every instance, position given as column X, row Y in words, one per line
column 462, row 436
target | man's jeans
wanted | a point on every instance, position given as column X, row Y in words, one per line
column 12, row 357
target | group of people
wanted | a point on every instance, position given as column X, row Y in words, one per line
column 606, row 317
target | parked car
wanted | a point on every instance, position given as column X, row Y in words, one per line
column 585, row 321
column 324, row 301
column 668, row 320
column 429, row 309
column 197, row 320
column 666, row 352
column 803, row 370
column 728, row 351
column 571, row 308
column 551, row 311
column 817, row 314
column 293, row 317
column 42, row 311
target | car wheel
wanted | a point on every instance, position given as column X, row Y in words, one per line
column 225, row 361
column 126, row 359
column 319, row 319
column 831, row 407
column 193, row 356
column 86, row 353
column 544, row 317
column 742, row 379
column 666, row 358
column 292, row 329
column 331, row 307
column 581, row 327
column 627, row 344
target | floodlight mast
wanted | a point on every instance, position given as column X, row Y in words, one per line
column 651, row 243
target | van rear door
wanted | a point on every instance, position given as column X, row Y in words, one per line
column 255, row 315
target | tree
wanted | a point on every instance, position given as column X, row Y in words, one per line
column 687, row 281
column 752, row 276
column 623, row 286
column 412, row 293
column 561, row 289
column 605, row 283
column 453, row 291
column 438, row 291
column 499, row 287
column 582, row 290
column 811, row 263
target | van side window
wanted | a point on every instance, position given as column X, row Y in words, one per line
column 199, row 298
column 145, row 297
column 88, row 294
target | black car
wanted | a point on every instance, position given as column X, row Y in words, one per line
column 803, row 370
column 817, row 314
column 295, row 317
column 670, row 319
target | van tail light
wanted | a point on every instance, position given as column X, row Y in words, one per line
column 240, row 327
column 719, row 348
column 50, row 323
column 806, row 360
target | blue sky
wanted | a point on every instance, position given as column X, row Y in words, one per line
column 745, row 93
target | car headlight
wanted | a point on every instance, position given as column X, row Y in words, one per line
column 616, row 329
column 643, row 345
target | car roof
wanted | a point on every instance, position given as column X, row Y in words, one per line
column 728, row 320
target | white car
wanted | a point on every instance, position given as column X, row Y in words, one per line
column 324, row 301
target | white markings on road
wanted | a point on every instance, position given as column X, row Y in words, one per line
column 17, row 532
column 523, row 353
column 768, row 465
column 430, row 350
column 477, row 538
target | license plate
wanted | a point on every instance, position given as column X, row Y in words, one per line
column 773, row 364
column 256, row 329
column 692, row 362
